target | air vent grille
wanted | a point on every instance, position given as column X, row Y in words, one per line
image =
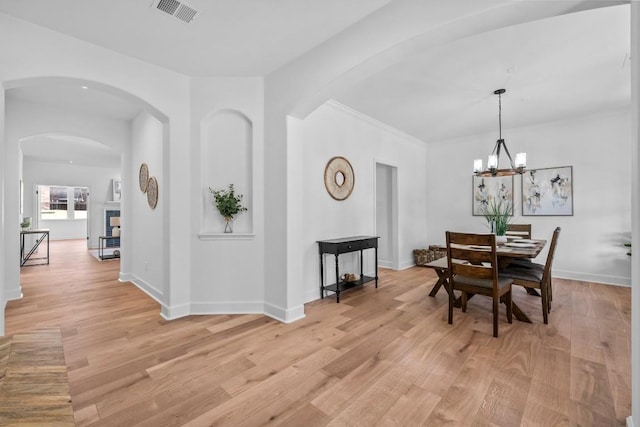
column 176, row 9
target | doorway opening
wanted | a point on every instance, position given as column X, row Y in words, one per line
column 387, row 215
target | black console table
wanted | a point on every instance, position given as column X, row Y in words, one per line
column 102, row 244
column 40, row 236
column 341, row 246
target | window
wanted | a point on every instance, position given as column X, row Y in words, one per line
column 55, row 202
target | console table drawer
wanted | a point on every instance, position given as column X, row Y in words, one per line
column 338, row 246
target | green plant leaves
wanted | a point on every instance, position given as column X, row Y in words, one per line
column 227, row 202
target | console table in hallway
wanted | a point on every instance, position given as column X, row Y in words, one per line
column 40, row 236
column 341, row 246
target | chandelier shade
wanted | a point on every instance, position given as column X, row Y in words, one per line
column 517, row 167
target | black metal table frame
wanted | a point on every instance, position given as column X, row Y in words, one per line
column 101, row 247
column 44, row 233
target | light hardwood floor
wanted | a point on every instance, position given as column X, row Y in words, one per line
column 382, row 356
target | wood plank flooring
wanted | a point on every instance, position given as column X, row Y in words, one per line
column 382, row 356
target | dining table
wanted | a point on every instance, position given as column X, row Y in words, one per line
column 514, row 248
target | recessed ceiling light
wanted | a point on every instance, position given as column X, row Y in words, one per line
column 85, row 87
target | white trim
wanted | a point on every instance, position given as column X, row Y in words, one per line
column 375, row 122
column 407, row 264
column 176, row 312
column 142, row 285
column 230, row 307
column 385, row 264
column 596, row 278
column 284, row 315
column 13, row 294
column 629, row 421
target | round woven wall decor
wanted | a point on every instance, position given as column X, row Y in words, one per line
column 152, row 192
column 339, row 178
column 143, row 177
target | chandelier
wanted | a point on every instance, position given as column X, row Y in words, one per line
column 517, row 167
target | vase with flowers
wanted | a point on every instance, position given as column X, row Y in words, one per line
column 498, row 213
column 228, row 204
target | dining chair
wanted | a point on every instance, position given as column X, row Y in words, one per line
column 521, row 230
column 473, row 269
column 536, row 276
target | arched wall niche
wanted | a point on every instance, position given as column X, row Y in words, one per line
column 227, row 158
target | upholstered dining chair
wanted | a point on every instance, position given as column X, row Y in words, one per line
column 473, row 269
column 536, row 276
column 521, row 230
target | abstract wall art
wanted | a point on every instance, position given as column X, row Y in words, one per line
column 547, row 192
column 492, row 188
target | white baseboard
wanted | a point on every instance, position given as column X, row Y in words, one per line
column 144, row 286
column 284, row 315
column 596, row 278
column 385, row 264
column 13, row 294
column 174, row 312
column 231, row 307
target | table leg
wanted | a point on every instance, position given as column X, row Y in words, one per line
column 517, row 311
column 321, row 277
column 532, row 291
column 442, row 281
column 337, row 281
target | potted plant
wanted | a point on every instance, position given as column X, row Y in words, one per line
column 229, row 204
column 26, row 223
column 497, row 213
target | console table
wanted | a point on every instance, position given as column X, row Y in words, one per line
column 102, row 241
column 341, row 246
column 40, row 236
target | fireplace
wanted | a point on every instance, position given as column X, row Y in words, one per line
column 108, row 214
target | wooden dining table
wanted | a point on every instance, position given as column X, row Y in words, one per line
column 506, row 253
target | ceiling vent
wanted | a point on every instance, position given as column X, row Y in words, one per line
column 178, row 10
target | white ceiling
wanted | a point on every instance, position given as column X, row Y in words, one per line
column 227, row 37
column 553, row 69
column 69, row 149
column 572, row 65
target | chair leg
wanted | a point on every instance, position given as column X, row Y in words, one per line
column 451, row 302
column 496, row 305
column 464, row 302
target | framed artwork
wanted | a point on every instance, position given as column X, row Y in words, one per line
column 486, row 189
column 548, row 191
column 116, row 185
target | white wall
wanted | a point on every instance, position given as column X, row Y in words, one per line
column 97, row 179
column 228, row 269
column 141, row 225
column 590, row 246
column 334, row 130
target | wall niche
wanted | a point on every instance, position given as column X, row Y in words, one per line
column 227, row 158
